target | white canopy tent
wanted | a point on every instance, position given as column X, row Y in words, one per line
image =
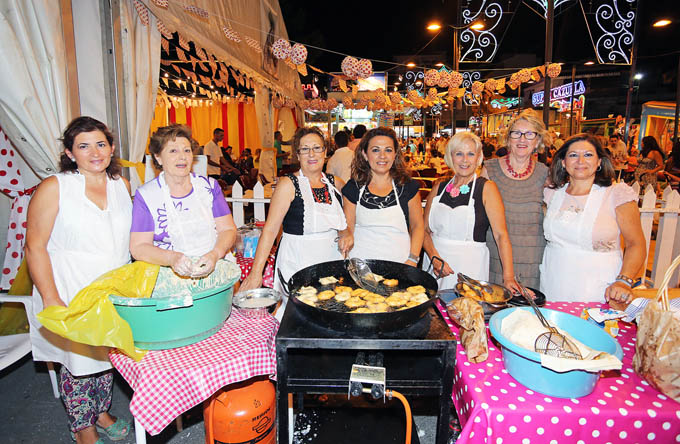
column 61, row 59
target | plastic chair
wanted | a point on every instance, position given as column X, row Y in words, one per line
column 15, row 347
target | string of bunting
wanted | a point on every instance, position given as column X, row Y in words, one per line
column 295, row 56
column 451, row 81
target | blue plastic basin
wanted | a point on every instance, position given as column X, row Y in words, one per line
column 525, row 365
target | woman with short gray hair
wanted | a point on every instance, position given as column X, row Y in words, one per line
column 520, row 180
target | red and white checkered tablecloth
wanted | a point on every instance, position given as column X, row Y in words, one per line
column 167, row 383
column 246, row 265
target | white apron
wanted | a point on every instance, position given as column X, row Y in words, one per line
column 191, row 232
column 381, row 233
column 571, row 270
column 463, row 255
column 85, row 243
column 321, row 223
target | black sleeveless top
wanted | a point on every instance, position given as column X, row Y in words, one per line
column 481, row 219
column 293, row 220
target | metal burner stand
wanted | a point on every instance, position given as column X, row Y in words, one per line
column 311, row 359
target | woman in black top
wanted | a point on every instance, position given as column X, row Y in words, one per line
column 458, row 214
column 308, row 204
column 381, row 202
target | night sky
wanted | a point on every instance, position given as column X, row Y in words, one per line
column 382, row 29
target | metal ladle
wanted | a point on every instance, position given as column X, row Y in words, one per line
column 552, row 342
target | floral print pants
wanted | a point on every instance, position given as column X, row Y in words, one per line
column 85, row 397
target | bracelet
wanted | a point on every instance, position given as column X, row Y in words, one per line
column 412, row 257
column 625, row 279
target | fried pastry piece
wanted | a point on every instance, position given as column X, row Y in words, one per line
column 307, row 290
column 379, row 307
column 326, row 295
column 343, row 289
column 328, row 280
column 355, row 302
column 361, row 310
column 342, row 297
column 416, row 289
column 396, row 300
column 373, row 298
column 359, row 292
column 391, row 282
column 418, row 298
column 309, row 299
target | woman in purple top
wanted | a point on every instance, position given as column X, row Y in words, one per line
column 180, row 215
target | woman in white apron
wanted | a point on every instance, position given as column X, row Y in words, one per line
column 586, row 217
column 382, row 203
column 458, row 214
column 308, row 206
column 180, row 219
column 78, row 227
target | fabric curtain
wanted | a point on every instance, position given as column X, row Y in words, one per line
column 204, row 119
column 12, row 184
column 238, row 120
column 160, row 119
column 33, row 79
column 263, row 107
column 141, row 68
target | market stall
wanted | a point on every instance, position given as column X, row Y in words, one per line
column 658, row 120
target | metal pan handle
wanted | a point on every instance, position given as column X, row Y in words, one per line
column 431, row 266
column 284, row 284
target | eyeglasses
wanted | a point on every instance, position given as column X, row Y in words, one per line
column 529, row 135
column 306, row 149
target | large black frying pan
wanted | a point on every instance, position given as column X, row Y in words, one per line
column 355, row 322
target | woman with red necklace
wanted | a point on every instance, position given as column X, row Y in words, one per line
column 520, row 180
column 458, row 214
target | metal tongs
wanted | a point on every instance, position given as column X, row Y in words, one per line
column 475, row 285
column 362, row 275
column 552, row 342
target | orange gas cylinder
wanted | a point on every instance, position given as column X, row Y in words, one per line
column 243, row 413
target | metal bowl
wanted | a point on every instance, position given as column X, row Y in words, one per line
column 256, row 303
column 502, row 294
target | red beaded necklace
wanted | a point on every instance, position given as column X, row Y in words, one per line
column 524, row 173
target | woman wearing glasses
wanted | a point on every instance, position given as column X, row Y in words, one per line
column 587, row 216
column 309, row 206
column 382, row 202
column 521, row 179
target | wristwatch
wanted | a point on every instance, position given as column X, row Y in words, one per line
column 413, row 257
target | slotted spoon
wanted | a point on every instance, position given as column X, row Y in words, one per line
column 363, row 276
column 552, row 342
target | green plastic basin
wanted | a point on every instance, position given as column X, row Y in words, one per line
column 156, row 327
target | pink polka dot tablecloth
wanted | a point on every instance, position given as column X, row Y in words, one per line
column 494, row 408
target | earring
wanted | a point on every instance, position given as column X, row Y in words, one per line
column 599, row 167
column 72, row 159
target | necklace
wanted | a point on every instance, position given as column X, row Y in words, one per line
column 524, row 173
column 456, row 191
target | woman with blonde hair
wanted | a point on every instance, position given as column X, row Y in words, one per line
column 458, row 214
column 520, row 180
